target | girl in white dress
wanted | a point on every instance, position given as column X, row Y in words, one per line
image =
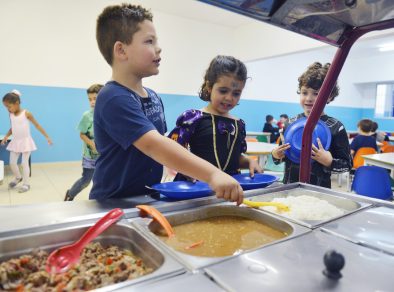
column 22, row 142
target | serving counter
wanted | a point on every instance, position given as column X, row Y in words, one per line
column 362, row 235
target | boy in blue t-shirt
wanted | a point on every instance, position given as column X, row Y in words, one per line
column 129, row 118
column 364, row 137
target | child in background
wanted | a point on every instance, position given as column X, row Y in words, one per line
column 378, row 135
column 283, row 121
column 212, row 133
column 89, row 154
column 269, row 128
column 337, row 158
column 129, row 118
column 364, row 138
column 22, row 142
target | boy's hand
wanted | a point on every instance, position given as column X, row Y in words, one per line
column 226, row 187
column 279, row 152
column 49, row 141
column 92, row 146
column 321, row 155
column 254, row 167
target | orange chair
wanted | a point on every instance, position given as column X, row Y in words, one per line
column 251, row 140
column 358, row 160
column 387, row 148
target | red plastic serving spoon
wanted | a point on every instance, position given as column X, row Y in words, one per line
column 61, row 259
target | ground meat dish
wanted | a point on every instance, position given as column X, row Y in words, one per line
column 98, row 267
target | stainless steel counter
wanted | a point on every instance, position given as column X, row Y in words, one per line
column 294, row 264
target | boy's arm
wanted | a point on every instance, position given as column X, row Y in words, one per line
column 88, row 141
column 342, row 159
column 30, row 117
column 4, row 141
column 174, row 156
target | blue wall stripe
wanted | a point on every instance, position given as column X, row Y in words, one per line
column 58, row 110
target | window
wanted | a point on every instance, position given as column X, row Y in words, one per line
column 384, row 107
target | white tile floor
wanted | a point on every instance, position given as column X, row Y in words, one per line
column 49, row 182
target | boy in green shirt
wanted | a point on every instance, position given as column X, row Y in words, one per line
column 89, row 151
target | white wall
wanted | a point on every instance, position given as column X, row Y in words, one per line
column 275, row 79
column 52, row 43
column 261, row 40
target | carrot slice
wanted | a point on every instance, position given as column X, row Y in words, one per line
column 193, row 245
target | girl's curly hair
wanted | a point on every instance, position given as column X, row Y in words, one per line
column 314, row 76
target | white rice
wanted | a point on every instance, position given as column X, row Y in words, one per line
column 306, row 208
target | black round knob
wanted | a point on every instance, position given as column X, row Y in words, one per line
column 334, row 263
column 351, row 3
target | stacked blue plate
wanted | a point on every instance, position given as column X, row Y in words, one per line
column 260, row 180
column 182, row 190
column 293, row 136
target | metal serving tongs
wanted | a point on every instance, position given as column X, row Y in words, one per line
column 279, row 206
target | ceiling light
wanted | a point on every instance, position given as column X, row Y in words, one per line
column 386, row 47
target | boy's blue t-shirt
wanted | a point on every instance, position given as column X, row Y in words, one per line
column 121, row 117
column 363, row 141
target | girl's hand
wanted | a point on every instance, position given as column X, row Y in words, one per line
column 321, row 155
column 4, row 141
column 279, row 152
column 226, row 187
column 49, row 141
column 254, row 167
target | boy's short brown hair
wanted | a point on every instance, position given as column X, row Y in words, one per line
column 365, row 125
column 95, row 88
column 118, row 23
column 313, row 78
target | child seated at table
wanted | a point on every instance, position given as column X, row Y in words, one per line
column 269, row 128
column 364, row 137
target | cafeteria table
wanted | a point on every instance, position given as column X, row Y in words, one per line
column 385, row 160
column 255, row 134
column 261, row 149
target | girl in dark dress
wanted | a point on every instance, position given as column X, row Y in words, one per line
column 337, row 158
column 212, row 133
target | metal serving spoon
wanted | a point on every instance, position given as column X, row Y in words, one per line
column 61, row 259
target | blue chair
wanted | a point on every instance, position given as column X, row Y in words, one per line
column 372, row 181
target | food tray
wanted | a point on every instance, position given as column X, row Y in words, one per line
column 121, row 234
column 186, row 216
column 346, row 204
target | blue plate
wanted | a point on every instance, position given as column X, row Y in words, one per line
column 181, row 190
column 260, row 180
column 293, row 136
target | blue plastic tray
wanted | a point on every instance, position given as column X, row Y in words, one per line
column 260, row 180
column 182, row 190
column 293, row 136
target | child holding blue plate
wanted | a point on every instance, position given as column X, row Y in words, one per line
column 212, row 133
column 337, row 158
